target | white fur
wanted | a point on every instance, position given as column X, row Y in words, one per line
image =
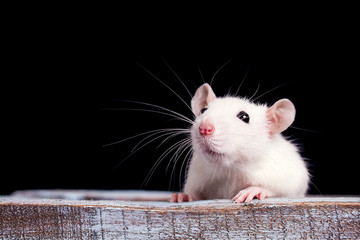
column 249, row 155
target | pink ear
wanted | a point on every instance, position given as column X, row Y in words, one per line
column 203, row 96
column 280, row 116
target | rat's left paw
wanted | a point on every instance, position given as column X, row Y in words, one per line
column 181, row 197
column 248, row 194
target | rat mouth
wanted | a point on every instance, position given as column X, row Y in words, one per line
column 209, row 148
column 213, row 153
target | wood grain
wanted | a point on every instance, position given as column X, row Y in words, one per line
column 81, row 194
column 308, row 218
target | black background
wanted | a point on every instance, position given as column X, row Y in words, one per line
column 65, row 79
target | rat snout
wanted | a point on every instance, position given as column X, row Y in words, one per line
column 206, row 128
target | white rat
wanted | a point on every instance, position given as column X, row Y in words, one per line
column 239, row 152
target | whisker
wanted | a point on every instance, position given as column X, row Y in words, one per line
column 218, row 71
column 168, row 131
column 182, row 145
column 187, row 161
column 279, row 86
column 136, row 150
column 313, row 184
column 153, row 135
column 257, row 89
column 184, row 131
column 187, row 105
column 242, row 81
column 158, row 161
column 176, row 145
column 186, row 119
column 306, row 130
column 201, row 75
column 177, row 76
column 129, row 138
column 152, row 140
column 185, row 145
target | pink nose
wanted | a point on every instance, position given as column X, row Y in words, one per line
column 206, row 128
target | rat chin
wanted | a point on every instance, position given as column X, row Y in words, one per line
column 212, row 155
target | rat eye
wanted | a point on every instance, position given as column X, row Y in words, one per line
column 243, row 116
column 203, row 110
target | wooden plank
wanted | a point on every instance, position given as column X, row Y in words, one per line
column 81, row 194
column 308, row 218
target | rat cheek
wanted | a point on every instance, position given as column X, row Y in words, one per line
column 197, row 123
column 195, row 126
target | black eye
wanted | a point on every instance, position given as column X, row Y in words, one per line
column 243, row 116
column 203, row 110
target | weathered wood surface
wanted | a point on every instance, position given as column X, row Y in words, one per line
column 80, row 194
column 308, row 218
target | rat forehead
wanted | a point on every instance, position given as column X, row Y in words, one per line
column 235, row 103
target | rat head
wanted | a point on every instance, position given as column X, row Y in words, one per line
column 229, row 130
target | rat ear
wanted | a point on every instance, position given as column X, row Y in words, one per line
column 203, row 96
column 280, row 116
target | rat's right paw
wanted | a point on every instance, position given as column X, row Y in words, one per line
column 248, row 194
column 181, row 197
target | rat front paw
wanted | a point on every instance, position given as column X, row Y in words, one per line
column 181, row 197
column 248, row 194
